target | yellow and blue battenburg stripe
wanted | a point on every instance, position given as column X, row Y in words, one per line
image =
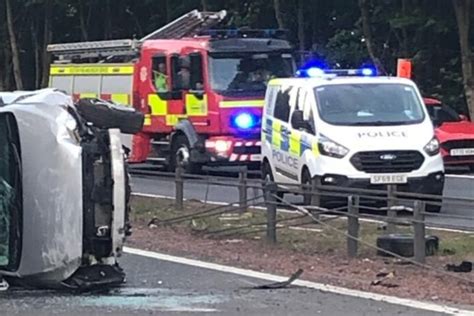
column 287, row 140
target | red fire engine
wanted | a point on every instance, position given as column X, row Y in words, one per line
column 201, row 89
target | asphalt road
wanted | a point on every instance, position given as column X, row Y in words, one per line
column 456, row 187
column 156, row 287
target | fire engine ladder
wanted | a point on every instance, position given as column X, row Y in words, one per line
column 187, row 25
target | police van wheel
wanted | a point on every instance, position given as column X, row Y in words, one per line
column 181, row 154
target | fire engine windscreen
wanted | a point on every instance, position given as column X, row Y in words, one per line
column 369, row 104
column 248, row 72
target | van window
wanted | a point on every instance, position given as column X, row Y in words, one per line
column 270, row 97
column 10, row 193
column 159, row 73
column 282, row 104
column 306, row 106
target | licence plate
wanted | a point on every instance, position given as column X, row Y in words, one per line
column 388, row 178
column 462, row 152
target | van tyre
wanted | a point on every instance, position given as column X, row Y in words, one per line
column 105, row 114
column 181, row 154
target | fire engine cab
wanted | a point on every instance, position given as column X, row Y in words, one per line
column 202, row 90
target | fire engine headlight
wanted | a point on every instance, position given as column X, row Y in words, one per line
column 244, row 120
column 331, row 148
column 432, row 148
column 222, row 146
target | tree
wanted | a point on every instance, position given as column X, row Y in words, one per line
column 365, row 16
column 301, row 24
column 14, row 46
column 462, row 9
column 279, row 14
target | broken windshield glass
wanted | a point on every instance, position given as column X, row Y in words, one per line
column 6, row 192
column 10, row 211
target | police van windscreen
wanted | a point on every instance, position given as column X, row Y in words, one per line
column 369, row 104
column 248, row 72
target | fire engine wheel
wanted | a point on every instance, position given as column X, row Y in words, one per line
column 181, row 155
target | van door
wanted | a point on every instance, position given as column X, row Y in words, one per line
column 187, row 78
column 303, row 138
column 286, row 165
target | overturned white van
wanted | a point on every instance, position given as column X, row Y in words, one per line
column 64, row 192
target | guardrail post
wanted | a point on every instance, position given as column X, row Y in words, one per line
column 419, row 242
column 391, row 202
column 270, row 192
column 179, row 187
column 315, row 195
column 353, row 226
column 243, row 190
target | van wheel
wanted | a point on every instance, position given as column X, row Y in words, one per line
column 105, row 114
column 181, row 155
column 267, row 178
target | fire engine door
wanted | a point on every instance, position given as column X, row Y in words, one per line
column 189, row 79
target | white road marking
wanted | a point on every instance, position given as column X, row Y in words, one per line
column 460, row 176
column 190, row 310
column 308, row 284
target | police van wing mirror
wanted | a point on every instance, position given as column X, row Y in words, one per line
column 297, row 120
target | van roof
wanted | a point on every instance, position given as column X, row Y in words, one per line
column 334, row 80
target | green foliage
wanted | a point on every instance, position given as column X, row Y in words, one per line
column 424, row 30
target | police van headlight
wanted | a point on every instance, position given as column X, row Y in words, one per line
column 432, row 148
column 330, row 148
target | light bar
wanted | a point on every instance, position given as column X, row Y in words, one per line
column 314, row 72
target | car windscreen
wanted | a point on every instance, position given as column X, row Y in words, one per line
column 369, row 104
column 442, row 114
column 248, row 72
column 10, row 193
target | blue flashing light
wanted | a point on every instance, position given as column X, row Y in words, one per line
column 244, row 120
column 315, row 72
column 368, row 71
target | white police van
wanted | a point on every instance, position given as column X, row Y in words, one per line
column 354, row 130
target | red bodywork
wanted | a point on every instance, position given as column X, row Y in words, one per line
column 214, row 124
column 453, row 135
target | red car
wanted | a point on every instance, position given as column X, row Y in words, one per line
column 455, row 133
